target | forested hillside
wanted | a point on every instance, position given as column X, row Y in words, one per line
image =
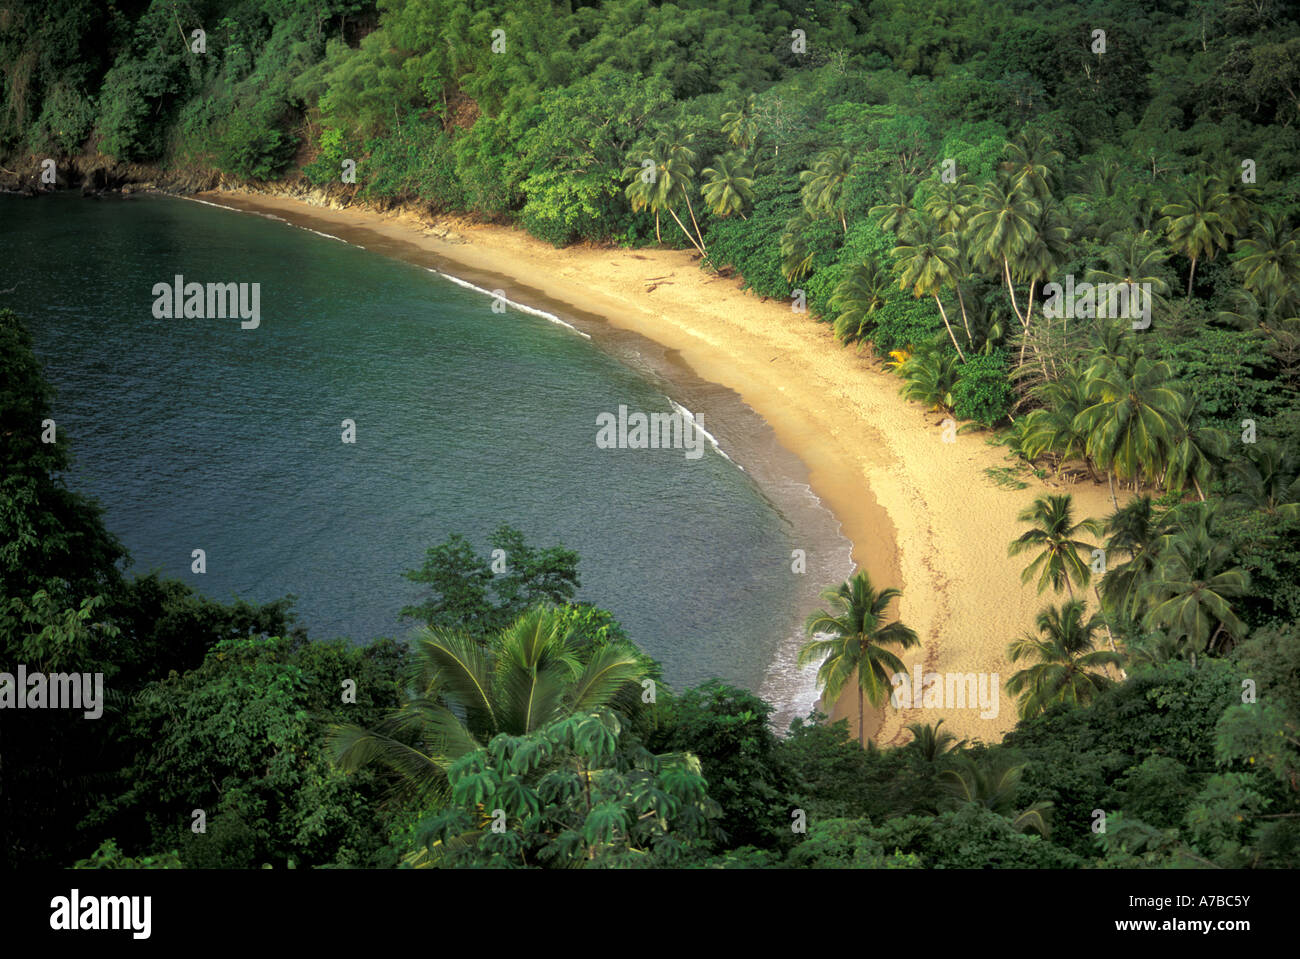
column 922, row 176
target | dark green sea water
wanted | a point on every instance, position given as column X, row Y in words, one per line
column 195, row 433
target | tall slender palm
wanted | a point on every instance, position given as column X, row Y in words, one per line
column 857, row 632
column 464, row 692
column 823, row 190
column 1131, row 420
column 730, row 186
column 949, row 204
column 858, row 297
column 1046, row 251
column 1198, row 222
column 1067, row 667
column 1002, row 230
column 1269, row 258
column 926, row 265
column 1189, row 590
column 671, row 183
column 1060, row 562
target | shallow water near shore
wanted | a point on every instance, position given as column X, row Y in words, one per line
column 198, row 434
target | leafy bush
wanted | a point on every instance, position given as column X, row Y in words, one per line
column 982, row 392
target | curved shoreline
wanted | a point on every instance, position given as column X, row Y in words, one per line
column 920, row 514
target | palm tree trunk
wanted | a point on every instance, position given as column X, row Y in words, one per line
column 658, row 239
column 697, row 226
column 1191, row 273
column 1197, row 484
column 951, row 336
column 685, row 231
column 1110, row 480
column 862, row 729
column 1109, row 638
column 1006, row 272
column 970, row 340
column 843, row 223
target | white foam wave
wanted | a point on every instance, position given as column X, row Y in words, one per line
column 689, row 417
column 521, row 307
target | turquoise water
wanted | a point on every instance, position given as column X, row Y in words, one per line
column 197, row 434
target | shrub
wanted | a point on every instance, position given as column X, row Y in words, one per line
column 982, row 392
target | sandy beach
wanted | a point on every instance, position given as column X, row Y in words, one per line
column 922, row 514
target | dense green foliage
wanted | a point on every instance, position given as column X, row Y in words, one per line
column 918, row 181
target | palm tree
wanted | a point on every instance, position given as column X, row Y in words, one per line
column 1130, row 423
column 857, row 634
column 1060, row 562
column 672, row 181
column 950, row 203
column 1033, row 163
column 930, row 742
column 993, row 783
column 464, row 692
column 1068, row 667
column 857, row 297
column 796, row 255
column 930, row 374
column 823, row 190
column 1191, row 584
column 1269, row 259
column 1192, row 450
column 898, row 215
column 1050, row 429
column 1198, row 223
column 740, row 123
column 1134, row 258
column 1002, row 231
column 1268, row 480
column 1134, row 532
column 926, row 264
column 730, row 186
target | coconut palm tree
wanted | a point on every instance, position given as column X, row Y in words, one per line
column 1193, row 450
column 1033, row 163
column 1134, row 532
column 730, row 186
column 1067, row 667
column 1269, row 259
column 1060, row 561
column 796, row 254
column 930, row 373
column 856, row 632
column 1198, row 223
column 740, row 123
column 1268, row 479
column 897, row 215
column 1002, row 230
column 823, row 190
column 857, row 298
column 670, row 182
column 1189, row 590
column 1050, row 429
column 950, row 203
column 993, row 783
column 1134, row 258
column 926, row 264
column 930, row 742
column 1130, row 423
column 464, row 692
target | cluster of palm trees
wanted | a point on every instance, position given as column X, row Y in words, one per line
column 661, row 173
column 1165, row 588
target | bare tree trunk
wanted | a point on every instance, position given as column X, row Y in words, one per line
column 951, row 336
